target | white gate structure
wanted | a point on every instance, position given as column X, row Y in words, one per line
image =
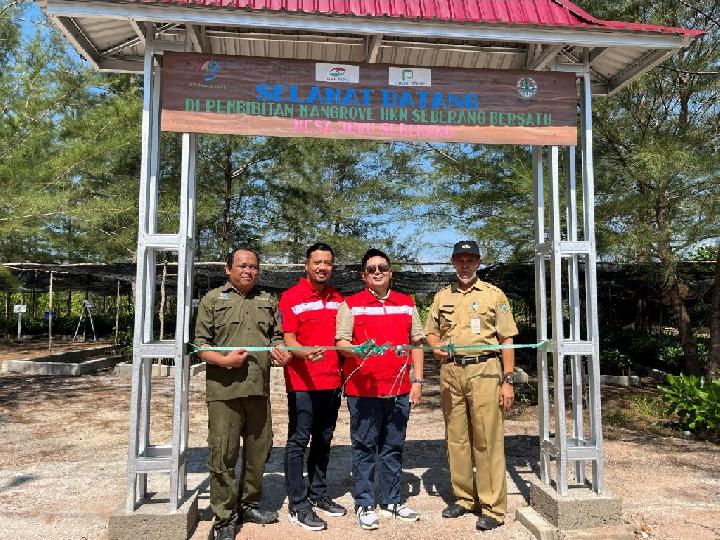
column 540, row 35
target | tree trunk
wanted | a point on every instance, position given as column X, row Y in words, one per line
column 677, row 294
column 712, row 370
column 642, row 319
column 227, row 194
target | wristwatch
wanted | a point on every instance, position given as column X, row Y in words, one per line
column 509, row 379
column 418, row 381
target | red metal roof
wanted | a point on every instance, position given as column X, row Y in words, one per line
column 555, row 13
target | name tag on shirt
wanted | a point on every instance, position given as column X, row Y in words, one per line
column 475, row 326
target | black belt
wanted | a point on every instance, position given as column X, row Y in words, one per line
column 468, row 360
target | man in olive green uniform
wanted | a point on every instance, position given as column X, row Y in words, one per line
column 476, row 386
column 238, row 389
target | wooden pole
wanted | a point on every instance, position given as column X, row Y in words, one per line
column 50, row 312
column 33, row 299
column 117, row 312
column 7, row 316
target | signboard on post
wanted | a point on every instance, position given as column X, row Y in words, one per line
column 297, row 98
column 20, row 308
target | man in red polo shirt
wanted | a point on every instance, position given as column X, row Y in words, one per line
column 312, row 380
column 379, row 388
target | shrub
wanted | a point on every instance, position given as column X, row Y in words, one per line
column 615, row 362
column 695, row 401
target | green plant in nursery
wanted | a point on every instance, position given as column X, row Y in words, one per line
column 695, row 401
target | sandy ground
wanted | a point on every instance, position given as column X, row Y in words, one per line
column 64, row 452
column 36, row 348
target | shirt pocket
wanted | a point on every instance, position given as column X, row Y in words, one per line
column 447, row 318
column 222, row 316
column 368, row 328
column 264, row 317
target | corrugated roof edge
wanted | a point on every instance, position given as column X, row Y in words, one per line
column 582, row 14
column 584, row 19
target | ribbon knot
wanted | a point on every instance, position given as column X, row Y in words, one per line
column 370, row 348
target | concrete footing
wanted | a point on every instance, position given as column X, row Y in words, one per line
column 581, row 514
column 159, row 370
column 69, row 363
column 620, row 380
column 152, row 520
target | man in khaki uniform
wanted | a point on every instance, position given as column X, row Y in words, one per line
column 238, row 389
column 476, row 386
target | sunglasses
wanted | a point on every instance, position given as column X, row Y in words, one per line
column 382, row 268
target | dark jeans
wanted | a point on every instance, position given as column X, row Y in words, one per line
column 311, row 419
column 377, row 430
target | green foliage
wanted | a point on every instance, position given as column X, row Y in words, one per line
column 705, row 253
column 651, row 350
column 695, row 401
column 486, row 193
column 8, row 280
column 69, row 146
column 614, row 362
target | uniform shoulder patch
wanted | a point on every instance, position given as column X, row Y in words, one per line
column 223, row 296
column 504, row 308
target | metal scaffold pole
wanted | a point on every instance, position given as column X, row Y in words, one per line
column 568, row 256
column 145, row 458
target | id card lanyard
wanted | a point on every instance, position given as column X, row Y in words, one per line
column 475, row 326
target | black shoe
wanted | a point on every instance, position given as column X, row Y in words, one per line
column 251, row 514
column 454, row 510
column 487, row 523
column 225, row 533
column 307, row 519
column 327, row 506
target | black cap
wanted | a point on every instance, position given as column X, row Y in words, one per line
column 466, row 246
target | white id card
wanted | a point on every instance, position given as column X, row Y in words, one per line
column 475, row 325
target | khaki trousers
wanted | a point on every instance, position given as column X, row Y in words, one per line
column 228, row 421
column 474, row 433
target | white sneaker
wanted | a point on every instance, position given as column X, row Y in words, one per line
column 399, row 511
column 367, row 518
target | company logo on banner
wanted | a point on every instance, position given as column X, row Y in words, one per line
column 337, row 73
column 209, row 69
column 409, row 76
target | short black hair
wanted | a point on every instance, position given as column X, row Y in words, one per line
column 318, row 246
column 372, row 252
column 231, row 254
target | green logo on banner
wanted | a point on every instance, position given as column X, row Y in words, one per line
column 527, row 88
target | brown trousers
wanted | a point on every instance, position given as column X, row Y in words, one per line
column 474, row 433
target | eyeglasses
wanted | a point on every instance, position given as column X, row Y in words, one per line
column 382, row 268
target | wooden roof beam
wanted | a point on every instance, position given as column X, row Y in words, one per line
column 373, row 49
column 544, row 57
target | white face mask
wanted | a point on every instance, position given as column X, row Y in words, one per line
column 466, row 280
